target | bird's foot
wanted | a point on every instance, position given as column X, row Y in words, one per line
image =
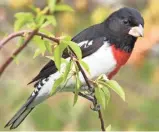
column 96, row 107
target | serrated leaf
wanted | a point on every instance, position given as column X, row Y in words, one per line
column 51, row 4
column 57, row 83
column 63, row 7
column 117, row 88
column 76, row 49
column 57, row 57
column 109, row 128
column 85, row 65
column 37, row 53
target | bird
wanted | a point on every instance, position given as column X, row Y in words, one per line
column 106, row 47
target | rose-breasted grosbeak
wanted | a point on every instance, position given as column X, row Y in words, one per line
column 105, row 48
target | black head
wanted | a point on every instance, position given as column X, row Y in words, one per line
column 123, row 27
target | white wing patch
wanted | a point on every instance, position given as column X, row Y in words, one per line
column 86, row 43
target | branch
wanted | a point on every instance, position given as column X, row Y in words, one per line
column 89, row 86
column 22, row 33
column 10, row 59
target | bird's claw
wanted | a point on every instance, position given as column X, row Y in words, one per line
column 96, row 107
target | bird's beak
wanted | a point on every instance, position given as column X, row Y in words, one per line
column 137, row 31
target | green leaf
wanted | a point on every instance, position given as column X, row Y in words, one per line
column 46, row 32
column 63, row 7
column 99, row 94
column 51, row 4
column 24, row 15
column 67, row 70
column 48, row 46
column 109, row 128
column 77, row 88
column 117, row 88
column 107, row 94
column 57, row 83
column 40, row 19
column 57, row 56
column 33, row 8
column 50, row 57
column 51, row 19
column 63, row 45
column 40, row 44
column 37, row 53
column 67, row 38
column 76, row 49
column 85, row 65
column 22, row 19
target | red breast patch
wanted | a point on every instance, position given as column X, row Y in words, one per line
column 121, row 58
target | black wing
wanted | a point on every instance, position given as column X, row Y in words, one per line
column 88, row 35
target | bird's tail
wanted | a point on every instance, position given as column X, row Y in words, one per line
column 22, row 113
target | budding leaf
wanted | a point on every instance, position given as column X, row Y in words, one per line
column 63, row 7
column 22, row 19
column 51, row 4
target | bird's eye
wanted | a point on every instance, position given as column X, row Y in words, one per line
column 126, row 21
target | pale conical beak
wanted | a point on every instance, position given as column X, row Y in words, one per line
column 137, row 31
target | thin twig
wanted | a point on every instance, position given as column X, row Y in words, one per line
column 100, row 116
column 10, row 59
column 22, row 33
column 101, row 120
column 90, row 88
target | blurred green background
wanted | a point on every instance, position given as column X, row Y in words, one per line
column 140, row 78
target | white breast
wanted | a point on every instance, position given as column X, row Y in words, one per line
column 101, row 62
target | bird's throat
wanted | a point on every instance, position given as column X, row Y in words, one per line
column 120, row 55
column 121, row 58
